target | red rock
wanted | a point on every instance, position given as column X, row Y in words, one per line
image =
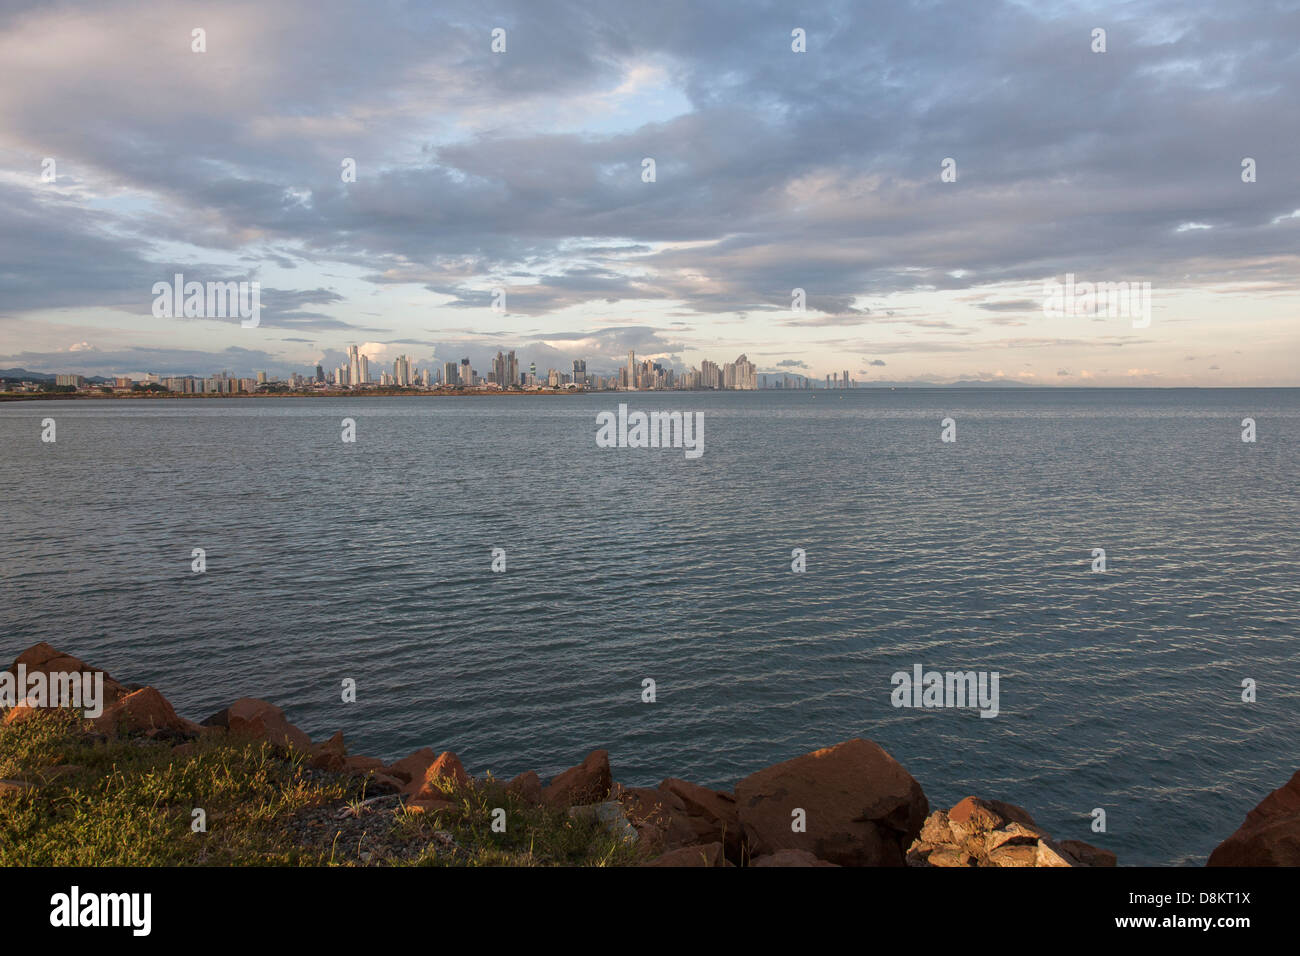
column 790, row 858
column 144, row 709
column 715, row 813
column 1282, row 801
column 589, row 782
column 527, row 787
column 250, row 717
column 661, row 818
column 44, row 659
column 1270, row 835
column 444, row 774
column 862, row 808
column 412, row 766
column 330, row 755
column 362, row 764
column 1087, row 854
column 708, row 855
column 974, row 815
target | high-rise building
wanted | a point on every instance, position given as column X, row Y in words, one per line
column 631, row 369
column 466, row 374
column 449, row 374
column 354, row 366
column 579, row 372
column 505, row 369
column 402, row 371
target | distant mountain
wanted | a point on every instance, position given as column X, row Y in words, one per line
column 22, row 375
column 26, row 375
column 967, row 383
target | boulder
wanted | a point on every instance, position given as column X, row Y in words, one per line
column 330, row 755
column 1013, row 834
column 661, row 818
column 1052, row 854
column 936, row 829
column 360, row 764
column 141, row 710
column 974, row 816
column 708, row 855
column 589, row 782
column 949, row 856
column 44, row 659
column 714, row 814
column 1270, row 834
column 444, row 775
column 1015, row 854
column 412, row 766
column 790, row 858
column 527, row 787
column 250, row 717
column 979, row 832
column 1087, row 854
column 862, row 808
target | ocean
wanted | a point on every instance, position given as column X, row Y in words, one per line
column 372, row 561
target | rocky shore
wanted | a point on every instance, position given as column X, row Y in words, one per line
column 851, row 804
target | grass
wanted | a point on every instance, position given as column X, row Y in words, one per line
column 129, row 801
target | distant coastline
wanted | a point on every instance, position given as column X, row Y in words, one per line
column 553, row 393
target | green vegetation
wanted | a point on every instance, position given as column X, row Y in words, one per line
column 71, row 797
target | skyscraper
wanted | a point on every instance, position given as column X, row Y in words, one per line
column 631, row 369
column 579, row 372
column 449, row 375
column 402, row 371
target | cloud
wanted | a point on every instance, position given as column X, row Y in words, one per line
column 523, row 171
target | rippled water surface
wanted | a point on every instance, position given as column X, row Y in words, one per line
column 372, row 561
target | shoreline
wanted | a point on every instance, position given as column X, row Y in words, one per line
column 847, row 805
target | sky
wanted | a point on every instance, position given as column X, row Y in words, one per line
column 921, row 171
